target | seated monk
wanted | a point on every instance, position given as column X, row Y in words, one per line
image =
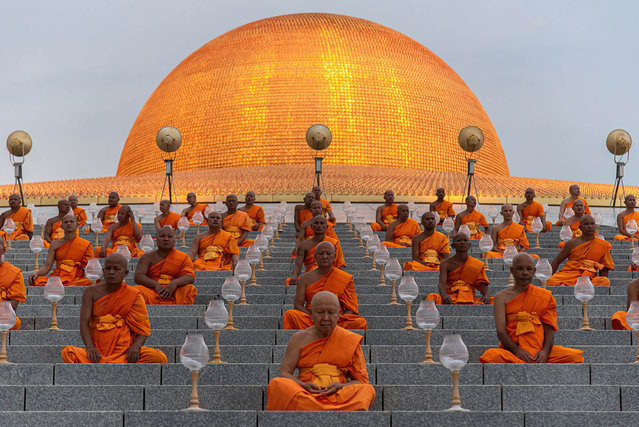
column 529, row 210
column 114, row 323
column 11, row 284
column 400, row 232
column 324, row 278
column 472, row 218
column 508, row 233
column 255, row 212
column 331, row 365
column 429, row 247
column 569, row 202
column 71, row 254
column 618, row 320
column 327, row 210
column 80, row 214
column 386, row 213
column 124, row 232
column 526, row 321
column 193, row 207
column 108, row 215
column 443, row 207
column 53, row 227
column 625, row 216
column 21, row 217
column 460, row 275
column 165, row 276
column 587, row 256
column 214, row 248
column 166, row 217
column 236, row 222
column 302, row 213
column 316, row 209
column 574, row 221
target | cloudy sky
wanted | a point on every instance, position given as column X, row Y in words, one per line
column 554, row 76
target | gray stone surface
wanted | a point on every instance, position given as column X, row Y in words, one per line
column 82, row 398
column 535, row 374
column 67, row 419
column 215, row 398
column 189, row 418
column 12, row 397
column 26, row 374
column 108, row 374
column 218, row 374
column 438, row 397
column 456, row 419
column 417, row 374
column 561, row 398
column 581, row 418
column 281, row 418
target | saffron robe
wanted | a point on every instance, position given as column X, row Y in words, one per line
column 403, row 234
column 216, row 252
column 324, row 361
column 586, row 207
column 70, row 260
column 326, row 206
column 525, row 316
column 171, row 220
column 462, row 282
column 635, row 216
column 123, row 236
column 309, row 258
column 429, row 251
column 235, row 224
column 341, row 284
column 256, row 214
column 176, row 264
column 200, row 207
column 444, row 209
column 532, row 211
column 514, row 234
column 23, row 220
column 110, row 217
column 389, row 214
column 473, row 220
column 618, row 321
column 12, row 287
column 80, row 216
column 585, row 260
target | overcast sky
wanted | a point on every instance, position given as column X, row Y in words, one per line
column 555, row 77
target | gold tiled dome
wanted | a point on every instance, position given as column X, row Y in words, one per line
column 247, row 98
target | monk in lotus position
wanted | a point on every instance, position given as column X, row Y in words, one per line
column 569, row 201
column 53, row 227
column 165, row 276
column 166, row 217
column 587, row 256
column 236, row 222
column 331, row 366
column 114, row 323
column 325, row 278
column 327, row 210
column 472, row 218
column 430, row 247
column 529, row 210
column 618, row 320
column 460, row 275
column 302, row 213
column 625, row 216
column 255, row 212
column 80, row 214
column 214, row 248
column 400, row 232
column 21, row 217
column 386, row 213
column 11, row 284
column 316, row 209
column 125, row 232
column 508, row 233
column 193, row 207
column 108, row 215
column 443, row 207
column 71, row 254
column 574, row 221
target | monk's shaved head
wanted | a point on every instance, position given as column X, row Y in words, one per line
column 325, row 255
column 325, row 246
column 116, row 259
column 114, row 199
column 249, row 197
column 523, row 258
column 63, row 206
column 324, row 297
column 523, row 269
column 630, row 201
column 316, row 207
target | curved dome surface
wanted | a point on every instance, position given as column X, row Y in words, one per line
column 247, row 98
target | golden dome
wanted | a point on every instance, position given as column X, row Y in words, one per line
column 248, row 97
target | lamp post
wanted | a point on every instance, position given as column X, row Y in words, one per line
column 618, row 143
column 168, row 139
column 18, row 144
column 470, row 139
column 319, row 137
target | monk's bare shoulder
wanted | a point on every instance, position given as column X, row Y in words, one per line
column 505, row 295
column 56, row 244
column 418, row 238
column 447, row 264
column 573, row 243
column 500, row 227
column 462, row 214
column 303, row 337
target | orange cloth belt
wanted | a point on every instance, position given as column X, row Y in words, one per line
column 108, row 322
column 465, row 292
column 124, row 240
column 590, row 265
column 110, row 218
column 442, row 214
column 67, row 265
column 577, row 233
column 389, row 218
column 430, row 256
column 3, row 294
column 530, row 219
column 501, row 244
column 326, row 374
column 405, row 240
column 472, row 226
column 235, row 231
column 213, row 252
column 525, row 322
column 165, row 279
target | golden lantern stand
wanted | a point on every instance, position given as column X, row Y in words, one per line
column 470, row 139
column 618, row 143
column 168, row 139
column 319, row 137
column 18, row 144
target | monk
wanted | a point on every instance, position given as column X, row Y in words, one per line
column 430, row 247
column 443, row 207
column 166, row 217
column 315, row 210
column 71, row 254
column 386, row 213
column 460, row 275
column 214, row 249
column 11, row 284
column 165, row 276
column 587, row 256
column 574, row 221
column 400, row 232
column 526, row 321
column 331, row 365
column 302, row 213
column 569, row 201
column 472, row 218
column 21, row 217
column 324, row 278
column 80, row 214
column 618, row 320
column 53, row 227
column 114, row 323
column 327, row 210
column 124, row 232
column 193, row 207
column 508, row 233
column 108, row 215
column 236, row 222
column 529, row 210
column 625, row 216
column 255, row 212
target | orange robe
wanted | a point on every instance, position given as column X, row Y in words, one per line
column 110, row 217
column 586, row 207
column 176, row 264
column 403, row 234
column 444, row 209
column 216, row 251
column 117, row 319
column 70, row 260
column 200, row 207
column 341, row 284
column 309, row 258
column 514, row 234
column 324, row 361
column 256, row 214
column 525, row 316
column 122, row 236
column 473, row 220
column 635, row 216
column 389, row 214
column 429, row 251
column 576, row 232
column 235, row 224
column 304, row 215
column 585, row 260
column 23, row 220
column 171, row 220
column 618, row 321
column 56, row 230
column 532, row 211
column 80, row 216
column 12, row 287
column 326, row 206
column 463, row 281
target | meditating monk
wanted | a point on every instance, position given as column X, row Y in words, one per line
column 508, row 233
column 587, row 256
column 108, row 214
column 255, row 212
column 460, row 275
column 21, row 217
column 193, row 207
column 302, row 213
column 166, row 217
column 214, row 249
column 324, row 278
column 472, row 218
column 80, row 214
column 569, row 201
column 315, row 210
column 114, row 323
column 331, row 366
column 165, row 276
column 11, row 284
column 430, row 247
column 526, row 321
column 529, row 210
column 327, row 210
column 236, row 222
column 443, row 207
column 125, row 232
column 386, row 213
column 53, row 227
column 618, row 320
column 625, row 216
column 400, row 232
column 70, row 253
column 574, row 221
